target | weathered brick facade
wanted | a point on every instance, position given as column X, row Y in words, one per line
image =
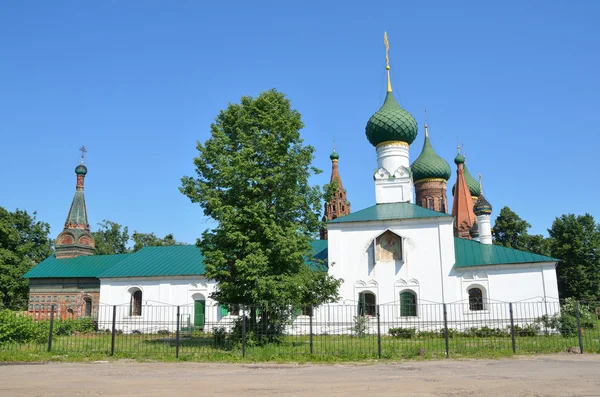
column 71, row 297
column 431, row 194
column 338, row 205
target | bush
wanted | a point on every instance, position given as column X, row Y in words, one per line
column 526, row 330
column 404, row 333
column 163, row 332
column 219, row 335
column 70, row 326
column 361, row 326
column 20, row 328
column 485, row 332
column 565, row 322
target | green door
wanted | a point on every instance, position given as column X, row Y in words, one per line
column 199, row 307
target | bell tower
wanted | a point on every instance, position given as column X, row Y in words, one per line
column 76, row 239
column 337, row 204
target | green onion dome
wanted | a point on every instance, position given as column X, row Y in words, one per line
column 391, row 123
column 459, row 159
column 474, row 232
column 472, row 184
column 482, row 206
column 334, row 156
column 429, row 164
column 81, row 169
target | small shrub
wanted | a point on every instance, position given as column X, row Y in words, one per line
column 163, row 332
column 20, row 328
column 361, row 326
column 219, row 335
column 403, row 333
column 526, row 330
column 136, row 332
column 485, row 332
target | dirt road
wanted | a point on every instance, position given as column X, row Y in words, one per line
column 552, row 375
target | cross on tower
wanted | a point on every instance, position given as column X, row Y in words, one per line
column 83, row 152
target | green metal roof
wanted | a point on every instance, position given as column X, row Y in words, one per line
column 81, row 266
column 381, row 212
column 391, row 123
column 174, row 260
column 469, row 253
column 321, row 252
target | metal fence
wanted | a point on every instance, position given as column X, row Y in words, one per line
column 351, row 331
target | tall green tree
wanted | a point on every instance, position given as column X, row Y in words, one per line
column 252, row 179
column 111, row 238
column 24, row 242
column 576, row 241
column 510, row 230
column 142, row 240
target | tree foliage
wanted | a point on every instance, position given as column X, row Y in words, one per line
column 24, row 242
column 509, row 229
column 111, row 238
column 252, row 179
column 576, row 241
column 142, row 240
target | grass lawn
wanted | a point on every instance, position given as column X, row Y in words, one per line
column 326, row 348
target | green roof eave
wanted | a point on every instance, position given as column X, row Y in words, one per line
column 469, row 253
column 390, row 211
column 81, row 266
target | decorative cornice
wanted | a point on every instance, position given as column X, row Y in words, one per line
column 391, row 143
column 430, row 180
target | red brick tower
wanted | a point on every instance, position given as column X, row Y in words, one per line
column 337, row 204
column 76, row 239
column 462, row 207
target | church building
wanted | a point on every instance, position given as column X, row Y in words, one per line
column 410, row 247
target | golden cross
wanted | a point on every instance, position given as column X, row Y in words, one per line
column 387, row 49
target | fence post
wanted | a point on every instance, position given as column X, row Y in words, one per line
column 446, row 330
column 378, row 334
column 244, row 332
column 114, row 331
column 512, row 327
column 311, row 329
column 51, row 328
column 578, row 327
column 177, row 333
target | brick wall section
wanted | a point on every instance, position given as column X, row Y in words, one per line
column 338, row 205
column 432, row 195
column 67, row 295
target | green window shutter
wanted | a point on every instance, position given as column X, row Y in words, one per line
column 224, row 311
column 408, row 305
column 199, row 307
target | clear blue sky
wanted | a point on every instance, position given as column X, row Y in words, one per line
column 139, row 82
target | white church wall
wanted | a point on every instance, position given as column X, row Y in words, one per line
column 421, row 269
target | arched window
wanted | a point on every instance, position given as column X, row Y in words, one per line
column 367, row 304
column 408, row 303
column 442, row 205
column 135, row 306
column 87, row 310
column 475, row 298
column 430, row 203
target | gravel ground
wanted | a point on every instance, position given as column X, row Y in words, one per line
column 548, row 375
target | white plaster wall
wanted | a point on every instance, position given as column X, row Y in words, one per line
column 422, row 269
column 160, row 298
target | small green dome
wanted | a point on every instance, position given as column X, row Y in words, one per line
column 429, row 164
column 472, row 184
column 391, row 123
column 482, row 206
column 334, row 155
column 459, row 159
column 81, row 169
